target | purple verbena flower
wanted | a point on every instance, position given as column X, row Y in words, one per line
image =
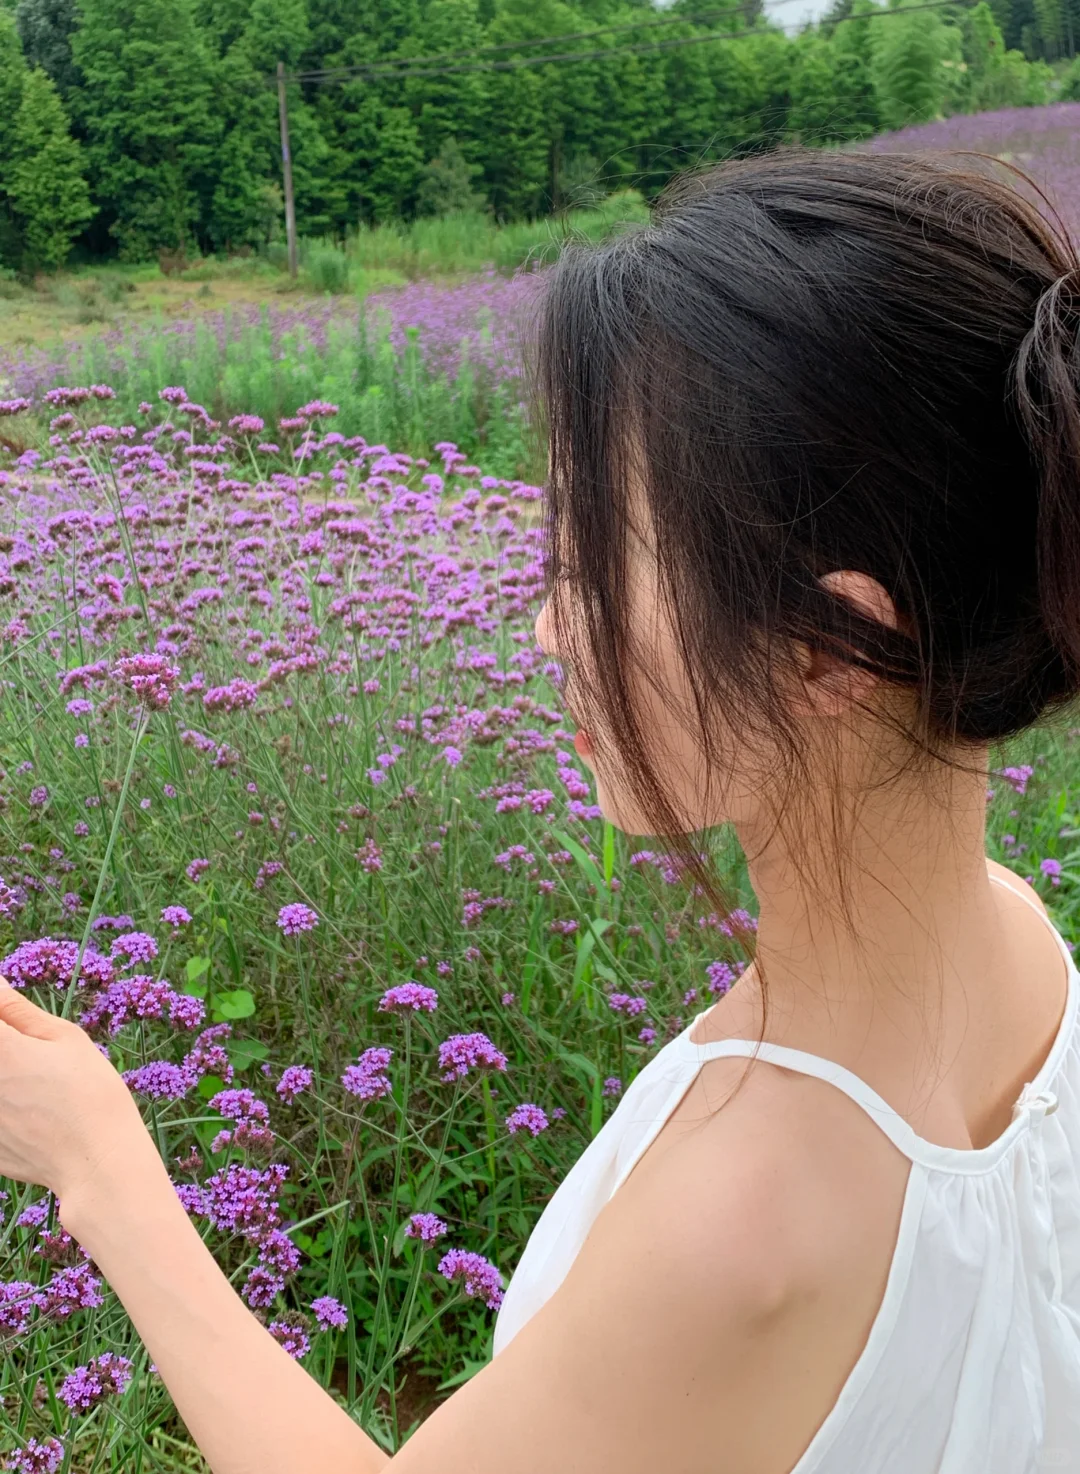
column 477, row 1274
column 244, row 1200
column 527, row 1117
column 106, row 1376
column 239, row 1105
column 279, row 1253
column 69, row 1290
column 463, row 1052
column 136, row 946
column 295, row 1079
column 370, row 856
column 291, row 1337
column 150, row 677
column 262, row 1287
column 186, row 1012
column 367, row 1079
column 330, row 1313
column 406, row 997
column 17, row 1303
column 426, row 1227
column 51, row 961
column 296, row 918
column 36, row 1458
column 160, row 1080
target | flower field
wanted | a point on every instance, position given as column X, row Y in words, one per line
column 290, row 824
column 1042, row 141
column 407, row 367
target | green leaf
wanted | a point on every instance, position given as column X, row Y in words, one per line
column 596, row 1112
column 245, row 1052
column 209, row 1085
column 235, row 1005
column 582, row 1068
column 582, row 856
column 532, row 960
column 468, row 1371
column 609, row 851
column 597, row 925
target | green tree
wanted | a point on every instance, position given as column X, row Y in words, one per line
column 832, row 93
column 13, row 75
column 446, row 183
column 45, row 184
column 45, row 28
column 152, row 120
column 397, row 168
column 908, row 49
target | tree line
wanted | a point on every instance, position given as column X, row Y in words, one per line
column 142, row 127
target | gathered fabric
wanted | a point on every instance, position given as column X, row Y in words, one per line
column 972, row 1364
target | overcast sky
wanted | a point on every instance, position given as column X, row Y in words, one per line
column 795, row 13
column 787, row 13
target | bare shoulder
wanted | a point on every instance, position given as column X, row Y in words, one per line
column 742, row 1260
column 1016, row 883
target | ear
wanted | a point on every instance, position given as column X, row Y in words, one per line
column 828, row 685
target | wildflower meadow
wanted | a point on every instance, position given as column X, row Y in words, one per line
column 291, row 825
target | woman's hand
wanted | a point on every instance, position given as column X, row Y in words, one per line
column 66, row 1117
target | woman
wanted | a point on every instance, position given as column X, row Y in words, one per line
column 814, row 532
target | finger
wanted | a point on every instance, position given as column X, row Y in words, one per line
column 27, row 1018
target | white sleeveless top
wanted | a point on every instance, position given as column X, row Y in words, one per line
column 972, row 1365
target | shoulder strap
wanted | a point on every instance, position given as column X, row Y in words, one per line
column 1027, row 897
column 889, row 1120
column 893, row 1124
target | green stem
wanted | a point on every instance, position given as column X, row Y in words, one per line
column 140, row 730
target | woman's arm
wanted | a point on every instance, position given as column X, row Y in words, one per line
column 249, row 1406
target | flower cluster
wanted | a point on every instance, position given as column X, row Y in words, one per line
column 296, row 918
column 51, row 962
column 477, row 1275
column 106, row 1376
column 295, row 1079
column 408, row 997
column 464, row 1052
column 367, row 1078
column 527, row 1117
column 151, row 677
column 426, row 1227
column 36, row 1457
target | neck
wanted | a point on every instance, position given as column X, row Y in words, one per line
column 914, row 898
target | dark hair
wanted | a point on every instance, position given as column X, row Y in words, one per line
column 817, row 361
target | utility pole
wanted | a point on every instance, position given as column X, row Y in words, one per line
column 286, row 164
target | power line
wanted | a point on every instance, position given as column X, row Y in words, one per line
column 408, row 66
column 701, row 17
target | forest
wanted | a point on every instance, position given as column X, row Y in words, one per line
column 150, row 128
